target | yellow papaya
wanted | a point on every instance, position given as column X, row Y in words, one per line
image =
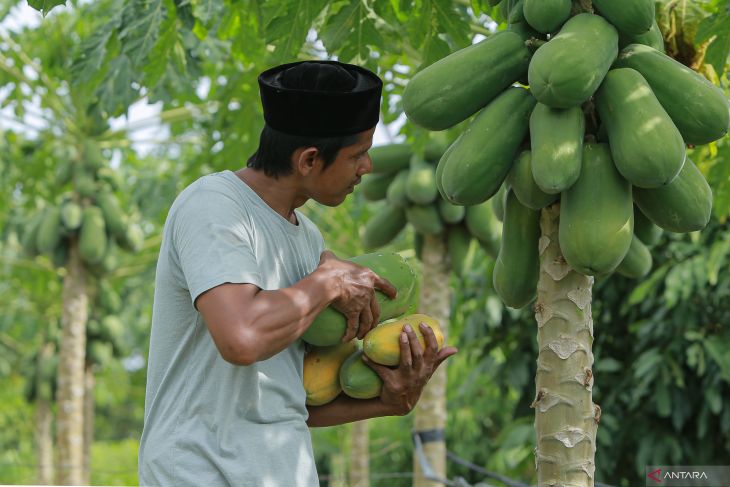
column 381, row 344
column 322, row 371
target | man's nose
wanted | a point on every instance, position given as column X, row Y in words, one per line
column 367, row 167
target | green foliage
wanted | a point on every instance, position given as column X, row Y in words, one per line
column 45, row 6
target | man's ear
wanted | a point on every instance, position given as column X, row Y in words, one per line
column 305, row 160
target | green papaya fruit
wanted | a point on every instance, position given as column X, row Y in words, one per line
column 596, row 215
column 699, row 109
column 483, row 155
column 59, row 255
column 450, row 213
column 684, row 205
column 390, row 158
column 562, row 72
column 112, row 177
column 133, row 238
column 418, row 244
column 374, row 187
column 421, row 182
column 85, row 185
column 517, row 266
column 435, row 148
column 358, row 380
column 434, row 100
column 113, row 216
column 648, row 233
column 64, row 172
column 497, row 202
column 112, row 328
column 30, row 234
column 425, row 219
column 646, row 146
column 93, row 158
column 631, row 16
column 49, row 230
column 92, row 238
column 330, row 325
column 396, row 192
column 547, row 16
column 108, row 297
column 556, row 136
column 637, row 262
column 110, row 261
column 484, row 226
column 460, row 248
column 71, row 213
column 518, row 24
column 523, row 184
column 440, row 167
column 652, row 38
column 99, row 353
column 383, row 227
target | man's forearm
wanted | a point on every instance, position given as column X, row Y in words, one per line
column 277, row 318
column 345, row 409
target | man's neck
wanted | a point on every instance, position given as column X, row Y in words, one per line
column 280, row 194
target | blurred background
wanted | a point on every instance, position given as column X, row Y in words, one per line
column 136, row 99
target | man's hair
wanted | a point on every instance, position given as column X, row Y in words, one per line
column 276, row 148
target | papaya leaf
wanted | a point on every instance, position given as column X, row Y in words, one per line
column 718, row 253
column 45, row 6
column 139, row 36
column 350, row 31
column 716, row 29
column 287, row 23
column 643, row 290
column 720, row 353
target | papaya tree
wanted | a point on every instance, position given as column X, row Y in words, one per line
column 71, row 212
column 569, row 199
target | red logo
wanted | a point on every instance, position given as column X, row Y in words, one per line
column 657, row 472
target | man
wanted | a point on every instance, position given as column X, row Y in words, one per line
column 241, row 275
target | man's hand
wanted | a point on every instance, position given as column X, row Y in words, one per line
column 357, row 294
column 402, row 386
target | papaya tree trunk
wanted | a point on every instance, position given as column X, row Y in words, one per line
column 44, row 441
column 430, row 412
column 89, row 383
column 44, row 420
column 566, row 419
column 337, row 470
column 359, row 455
column 70, row 421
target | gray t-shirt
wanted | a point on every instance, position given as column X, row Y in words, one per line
column 208, row 422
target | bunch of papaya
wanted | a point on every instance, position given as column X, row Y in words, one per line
column 88, row 211
column 407, row 181
column 581, row 107
column 334, row 369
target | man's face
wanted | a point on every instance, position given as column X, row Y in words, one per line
column 331, row 186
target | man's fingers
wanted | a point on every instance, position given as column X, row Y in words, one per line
column 375, row 309
column 352, row 326
column 406, row 359
column 432, row 345
column 443, row 354
column 384, row 372
column 366, row 322
column 415, row 346
column 385, row 286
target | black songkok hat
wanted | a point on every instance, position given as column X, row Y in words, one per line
column 320, row 98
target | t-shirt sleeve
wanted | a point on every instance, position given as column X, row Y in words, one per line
column 214, row 243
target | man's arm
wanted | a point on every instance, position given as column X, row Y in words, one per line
column 248, row 324
column 402, row 386
column 345, row 409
